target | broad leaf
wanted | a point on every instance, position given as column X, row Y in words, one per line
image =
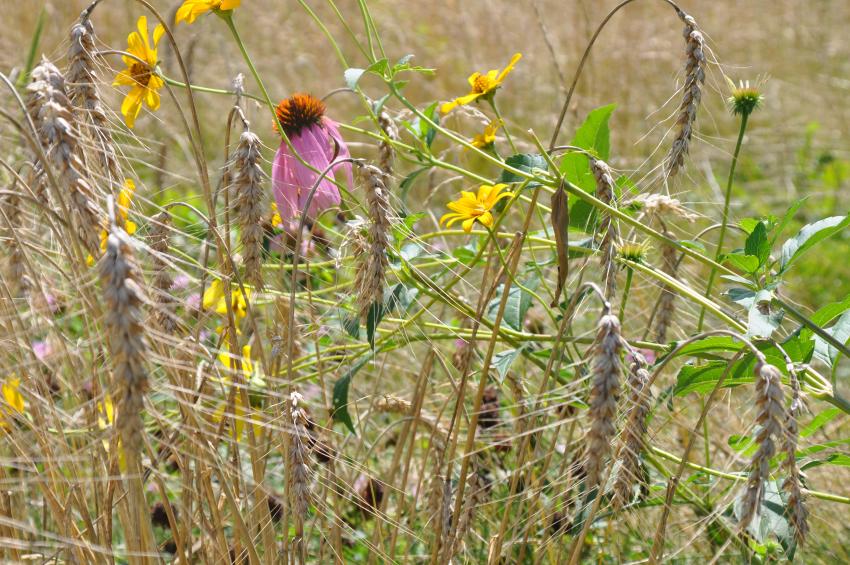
column 525, row 162
column 340, row 395
column 757, row 244
column 810, row 236
column 841, row 332
column 518, row 303
column 502, row 361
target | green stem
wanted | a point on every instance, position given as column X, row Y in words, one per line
column 210, row 90
column 629, row 274
column 492, row 100
column 721, row 238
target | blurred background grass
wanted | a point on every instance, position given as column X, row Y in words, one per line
column 796, row 144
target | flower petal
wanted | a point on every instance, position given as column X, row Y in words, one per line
column 510, row 67
column 467, row 225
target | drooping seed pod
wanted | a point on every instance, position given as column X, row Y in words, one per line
column 632, row 441
column 386, row 152
column 124, row 297
column 299, row 487
column 371, row 270
column 695, row 64
column 667, row 301
column 795, row 503
column 52, row 113
column 250, row 204
column 610, row 233
column 771, row 420
column 82, row 81
column 604, row 394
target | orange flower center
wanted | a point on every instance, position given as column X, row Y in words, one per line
column 483, row 84
column 140, row 73
column 299, row 111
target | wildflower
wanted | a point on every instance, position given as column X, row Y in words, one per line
column 12, row 397
column 486, row 139
column 191, row 9
column 316, row 140
column 226, row 359
column 125, row 198
column 140, row 72
column 483, row 86
column 276, row 221
column 214, row 299
column 745, row 99
column 475, row 207
column 634, row 251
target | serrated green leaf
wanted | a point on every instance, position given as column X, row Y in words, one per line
column 757, row 244
column 808, row 237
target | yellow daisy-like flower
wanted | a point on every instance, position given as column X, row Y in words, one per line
column 486, row 139
column 139, row 73
column 191, row 9
column 13, row 398
column 214, row 299
column 482, row 85
column 473, row 208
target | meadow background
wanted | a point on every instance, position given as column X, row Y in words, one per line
column 796, row 145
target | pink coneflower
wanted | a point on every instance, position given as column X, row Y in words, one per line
column 316, row 139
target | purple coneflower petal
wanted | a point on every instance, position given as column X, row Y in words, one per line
column 342, row 152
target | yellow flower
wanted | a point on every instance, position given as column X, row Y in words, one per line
column 191, row 9
column 125, row 198
column 140, row 72
column 105, row 414
column 482, row 85
column 13, row 397
column 214, row 298
column 475, row 207
column 228, row 361
column 277, row 222
column 486, row 139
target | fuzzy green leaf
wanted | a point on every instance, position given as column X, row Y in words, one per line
column 808, row 237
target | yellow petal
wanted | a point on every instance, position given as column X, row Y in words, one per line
column 132, row 105
column 467, row 225
column 124, row 78
column 152, row 99
column 213, row 294
column 487, row 219
column 229, row 4
column 157, row 34
column 463, row 100
column 510, row 67
column 472, row 78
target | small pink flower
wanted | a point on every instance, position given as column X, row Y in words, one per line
column 181, row 282
column 193, row 301
column 315, row 138
column 41, row 349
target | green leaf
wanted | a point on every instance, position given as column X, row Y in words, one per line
column 703, row 378
column 710, row 345
column 526, row 162
column 352, row 77
column 407, row 182
column 351, row 324
column 746, row 263
column 841, row 332
column 820, row 421
column 593, row 135
column 786, row 219
column 808, row 237
column 744, row 445
column 762, row 318
column 837, row 459
column 340, row 395
column 824, row 316
column 517, row 305
column 24, row 77
column 428, row 131
column 757, row 244
column 502, row 361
